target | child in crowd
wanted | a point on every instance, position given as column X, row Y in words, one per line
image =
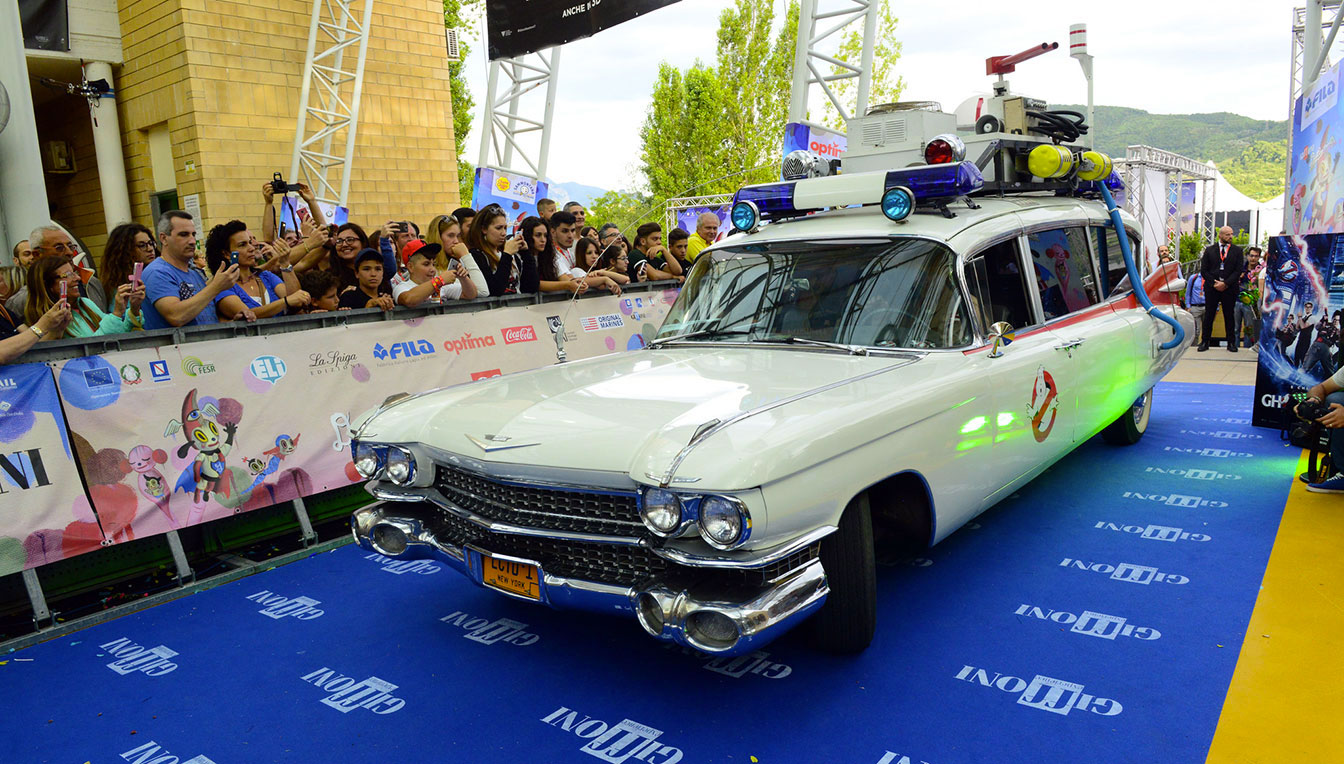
column 424, row 283
column 368, row 291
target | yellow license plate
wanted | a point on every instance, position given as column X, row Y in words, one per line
column 518, row 578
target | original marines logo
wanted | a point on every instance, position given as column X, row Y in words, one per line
column 1044, row 405
column 1043, row 693
column 615, row 743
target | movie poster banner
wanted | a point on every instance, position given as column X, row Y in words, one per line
column 1301, row 311
column 181, row 435
column 43, row 510
column 516, row 28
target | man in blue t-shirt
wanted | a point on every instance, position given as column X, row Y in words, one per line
column 1194, row 302
column 176, row 293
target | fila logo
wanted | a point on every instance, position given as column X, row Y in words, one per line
column 153, row 753
column 624, row 741
column 346, row 694
column 1192, row 473
column 1175, row 500
column 1157, row 532
column 1044, row 693
column 490, row 632
column 398, row 567
column 1092, row 624
column 278, row 607
column 1225, row 434
column 1135, row 574
column 150, row 661
column 1217, row 453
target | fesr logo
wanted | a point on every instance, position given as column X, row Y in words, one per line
column 514, row 334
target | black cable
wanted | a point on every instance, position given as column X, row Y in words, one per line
column 1060, row 124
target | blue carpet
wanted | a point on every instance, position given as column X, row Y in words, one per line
column 1095, row 616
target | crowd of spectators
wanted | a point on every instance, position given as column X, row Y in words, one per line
column 177, row 275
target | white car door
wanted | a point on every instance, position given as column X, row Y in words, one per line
column 1034, row 377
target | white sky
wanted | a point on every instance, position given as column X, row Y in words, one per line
column 1170, row 57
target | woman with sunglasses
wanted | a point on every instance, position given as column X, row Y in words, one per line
column 86, row 318
column 506, row 270
column 128, row 244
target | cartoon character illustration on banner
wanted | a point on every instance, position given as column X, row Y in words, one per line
column 1300, row 332
column 284, row 446
column 208, row 473
column 144, row 461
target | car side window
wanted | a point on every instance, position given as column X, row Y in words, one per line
column 1062, row 261
column 994, row 276
column 1112, row 260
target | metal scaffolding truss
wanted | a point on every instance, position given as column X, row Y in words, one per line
column 679, row 203
column 329, row 98
column 1176, row 171
column 508, row 118
column 810, row 62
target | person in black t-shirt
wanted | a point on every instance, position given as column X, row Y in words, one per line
column 368, row 291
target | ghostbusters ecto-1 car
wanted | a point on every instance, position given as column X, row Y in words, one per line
column 870, row 360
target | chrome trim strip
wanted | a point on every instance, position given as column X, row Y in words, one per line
column 686, row 451
column 486, row 447
column 767, row 556
column 555, row 478
column 494, row 526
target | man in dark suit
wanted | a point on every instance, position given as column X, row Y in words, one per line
column 1221, row 267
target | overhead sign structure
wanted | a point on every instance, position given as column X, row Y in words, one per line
column 517, row 28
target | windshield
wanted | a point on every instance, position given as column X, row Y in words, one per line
column 889, row 293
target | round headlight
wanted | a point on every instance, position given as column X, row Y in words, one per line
column 897, row 203
column 724, row 521
column 400, row 465
column 366, row 459
column 660, row 511
column 744, row 216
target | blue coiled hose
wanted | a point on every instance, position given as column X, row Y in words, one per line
column 1133, row 272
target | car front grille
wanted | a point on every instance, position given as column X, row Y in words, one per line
column 577, row 511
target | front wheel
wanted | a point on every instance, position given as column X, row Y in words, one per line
column 1126, row 430
column 845, row 623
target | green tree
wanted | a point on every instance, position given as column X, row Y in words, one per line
column 886, row 85
column 461, row 15
column 1258, row 170
column 714, row 129
column 623, row 208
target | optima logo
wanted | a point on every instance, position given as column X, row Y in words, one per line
column 616, row 743
column 1135, row 574
column 347, row 694
column 132, row 658
column 1043, row 693
column 1176, row 500
column 277, row 606
column 420, row 567
column 1091, row 624
column 1156, row 532
column 490, row 632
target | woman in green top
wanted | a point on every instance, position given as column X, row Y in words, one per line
column 86, row 318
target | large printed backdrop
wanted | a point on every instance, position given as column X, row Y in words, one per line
column 184, row 434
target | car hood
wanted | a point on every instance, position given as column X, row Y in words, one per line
column 634, row 412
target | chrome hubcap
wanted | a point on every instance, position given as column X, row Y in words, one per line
column 1140, row 410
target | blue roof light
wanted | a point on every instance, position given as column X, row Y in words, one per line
column 938, row 181
column 744, row 216
column 774, row 200
column 897, row 203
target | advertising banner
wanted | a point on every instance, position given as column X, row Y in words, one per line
column 828, row 143
column 1301, row 311
column 294, row 210
column 688, row 217
column 43, row 510
column 517, row 194
column 180, row 435
column 1316, row 180
column 518, row 27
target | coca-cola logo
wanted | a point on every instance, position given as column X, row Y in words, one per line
column 519, row 334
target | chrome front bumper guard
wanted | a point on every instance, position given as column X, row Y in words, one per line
column 403, row 531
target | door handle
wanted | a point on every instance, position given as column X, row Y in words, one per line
column 1069, row 345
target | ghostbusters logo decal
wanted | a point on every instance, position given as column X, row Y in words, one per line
column 1044, row 405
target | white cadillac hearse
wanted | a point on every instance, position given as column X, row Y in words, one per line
column 868, row 362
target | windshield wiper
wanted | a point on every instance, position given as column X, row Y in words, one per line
column 698, row 334
column 795, row 340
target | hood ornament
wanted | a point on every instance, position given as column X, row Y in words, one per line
column 496, row 442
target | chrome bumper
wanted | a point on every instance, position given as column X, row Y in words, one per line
column 404, row 531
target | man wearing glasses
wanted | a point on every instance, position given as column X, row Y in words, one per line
column 52, row 240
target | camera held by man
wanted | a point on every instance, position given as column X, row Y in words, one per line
column 1324, row 405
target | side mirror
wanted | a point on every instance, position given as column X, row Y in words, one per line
column 1001, row 334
